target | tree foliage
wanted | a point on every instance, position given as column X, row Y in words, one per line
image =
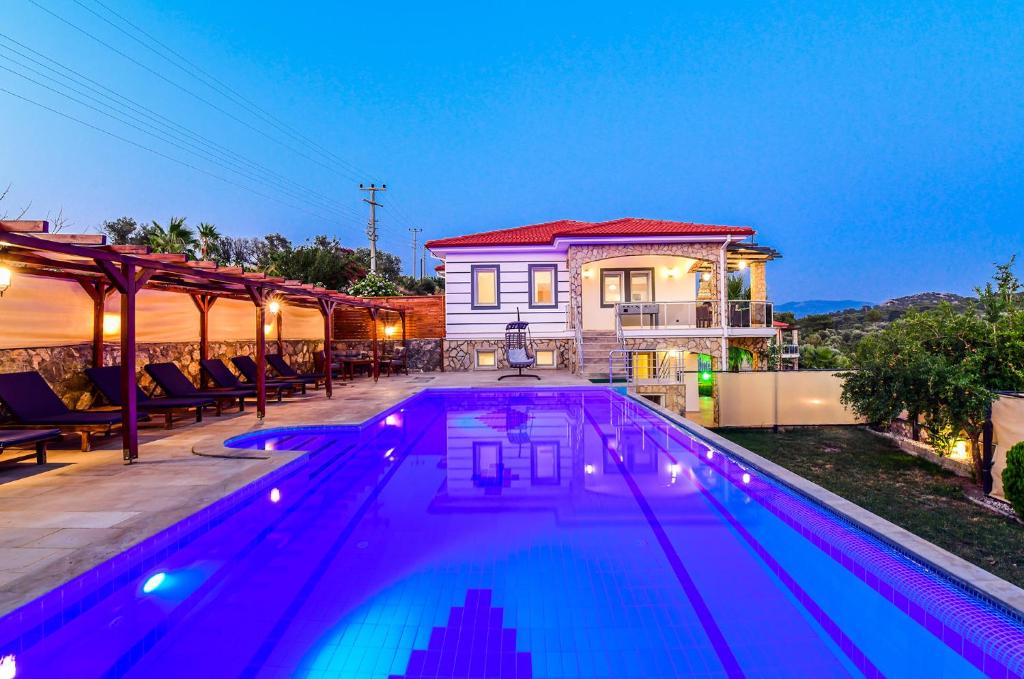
column 374, row 285
column 944, row 365
column 388, row 265
column 1013, row 478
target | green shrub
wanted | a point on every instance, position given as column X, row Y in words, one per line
column 374, row 285
column 1013, row 478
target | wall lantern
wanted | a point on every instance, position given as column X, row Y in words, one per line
column 111, row 324
column 267, row 328
column 742, row 264
column 706, row 276
column 670, row 272
column 389, row 330
column 588, row 273
column 274, row 307
column 5, row 279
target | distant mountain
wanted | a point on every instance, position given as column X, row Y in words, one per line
column 820, row 306
column 925, row 300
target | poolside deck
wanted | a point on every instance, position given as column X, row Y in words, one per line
column 60, row 519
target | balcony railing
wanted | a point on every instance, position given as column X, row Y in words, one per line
column 690, row 314
column 790, row 351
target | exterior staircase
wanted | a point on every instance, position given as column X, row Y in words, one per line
column 596, row 345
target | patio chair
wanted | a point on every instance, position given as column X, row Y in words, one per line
column 33, row 404
column 398, row 361
column 108, row 380
column 38, row 438
column 218, row 371
column 281, row 367
column 249, row 370
column 176, row 384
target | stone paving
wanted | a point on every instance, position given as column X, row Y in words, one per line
column 60, row 519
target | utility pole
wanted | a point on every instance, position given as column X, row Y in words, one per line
column 423, row 265
column 414, row 231
column 371, row 226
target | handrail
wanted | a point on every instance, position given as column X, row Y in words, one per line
column 666, row 369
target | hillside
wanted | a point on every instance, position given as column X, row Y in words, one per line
column 819, row 306
column 840, row 331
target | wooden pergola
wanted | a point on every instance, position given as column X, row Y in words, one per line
column 103, row 269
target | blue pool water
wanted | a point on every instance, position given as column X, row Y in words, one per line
column 525, row 533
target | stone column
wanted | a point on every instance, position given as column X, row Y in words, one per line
column 758, row 293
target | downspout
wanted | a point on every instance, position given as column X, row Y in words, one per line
column 723, row 288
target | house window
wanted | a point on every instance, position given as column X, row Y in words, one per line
column 626, row 285
column 545, row 358
column 486, row 293
column 543, row 285
column 487, row 464
column 655, row 398
column 545, row 469
column 486, row 358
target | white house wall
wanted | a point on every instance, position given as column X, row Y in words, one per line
column 462, row 321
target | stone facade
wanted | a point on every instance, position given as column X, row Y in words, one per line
column 424, row 354
column 459, row 355
column 579, row 255
column 674, row 395
column 63, row 367
column 700, row 345
column 756, row 346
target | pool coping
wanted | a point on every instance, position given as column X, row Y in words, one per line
column 974, row 579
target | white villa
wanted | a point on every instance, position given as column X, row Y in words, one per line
column 588, row 289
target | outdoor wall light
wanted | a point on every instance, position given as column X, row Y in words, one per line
column 706, row 276
column 111, row 324
column 268, row 328
column 742, row 264
column 589, row 469
column 5, row 279
column 274, row 307
column 389, row 330
column 670, row 272
column 588, row 273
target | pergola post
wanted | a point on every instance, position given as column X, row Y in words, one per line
column 278, row 320
column 97, row 291
column 203, row 303
column 327, row 310
column 376, row 356
column 129, row 388
column 401, row 315
column 259, row 298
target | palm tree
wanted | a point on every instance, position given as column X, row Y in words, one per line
column 177, row 238
column 208, row 236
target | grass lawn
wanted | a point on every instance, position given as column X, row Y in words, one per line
column 910, row 492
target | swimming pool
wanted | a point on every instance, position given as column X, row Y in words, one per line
column 511, row 533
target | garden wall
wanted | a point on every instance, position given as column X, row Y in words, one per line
column 424, row 329
column 1007, row 430
column 786, row 398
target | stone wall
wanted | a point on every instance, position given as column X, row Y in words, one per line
column 459, row 355
column 756, row 346
column 700, row 345
column 64, row 367
column 674, row 395
column 424, row 354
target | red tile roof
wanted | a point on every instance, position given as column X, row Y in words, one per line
column 545, row 234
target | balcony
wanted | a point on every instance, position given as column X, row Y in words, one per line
column 646, row 316
column 790, row 351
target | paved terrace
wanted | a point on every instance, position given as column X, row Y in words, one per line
column 60, row 519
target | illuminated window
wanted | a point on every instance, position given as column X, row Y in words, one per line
column 486, row 358
column 543, row 285
column 611, row 287
column 485, row 287
column 626, row 285
column 545, row 358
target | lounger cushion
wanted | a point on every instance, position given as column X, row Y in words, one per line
column 517, row 358
column 108, row 380
column 28, row 397
column 249, row 370
column 176, row 385
column 19, row 437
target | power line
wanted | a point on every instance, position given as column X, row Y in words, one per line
column 159, row 153
column 224, row 87
column 169, row 126
column 161, row 136
column 180, row 86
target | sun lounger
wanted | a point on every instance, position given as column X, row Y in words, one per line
column 38, row 438
column 108, row 380
column 176, row 384
column 33, row 404
column 222, row 376
column 281, row 367
column 248, row 368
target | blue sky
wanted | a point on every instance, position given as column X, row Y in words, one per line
column 880, row 148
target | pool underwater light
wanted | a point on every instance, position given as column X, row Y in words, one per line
column 589, row 469
column 154, row 581
column 8, row 670
column 746, row 478
column 275, row 495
